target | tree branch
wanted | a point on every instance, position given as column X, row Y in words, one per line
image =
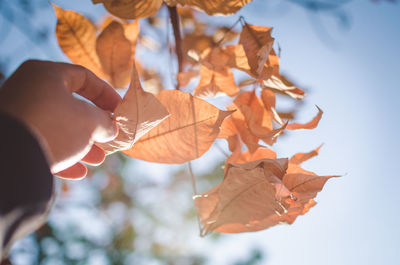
column 173, row 14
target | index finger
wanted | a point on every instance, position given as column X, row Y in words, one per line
column 82, row 81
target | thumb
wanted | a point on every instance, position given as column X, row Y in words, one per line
column 105, row 128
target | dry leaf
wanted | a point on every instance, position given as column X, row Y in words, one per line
column 184, row 78
column 268, row 99
column 213, row 7
column 76, row 36
column 115, row 52
column 283, row 86
column 255, row 195
column 301, row 157
column 309, row 125
column 137, row 114
column 246, row 196
column 257, row 44
column 131, row 9
column 185, row 135
column 214, row 82
column 249, row 139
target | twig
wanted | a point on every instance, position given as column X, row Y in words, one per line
column 174, row 17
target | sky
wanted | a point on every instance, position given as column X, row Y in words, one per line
column 353, row 74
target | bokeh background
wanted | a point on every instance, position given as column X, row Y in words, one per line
column 344, row 53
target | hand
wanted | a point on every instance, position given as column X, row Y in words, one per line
column 40, row 94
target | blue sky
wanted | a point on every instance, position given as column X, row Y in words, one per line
column 354, row 78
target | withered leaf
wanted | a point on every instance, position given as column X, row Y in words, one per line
column 257, row 44
column 137, row 114
column 76, row 36
column 115, row 52
column 131, row 9
column 255, row 195
column 214, row 82
column 309, row 125
column 185, row 77
column 213, row 7
column 284, row 86
column 301, row 157
column 257, row 117
column 246, row 196
column 268, row 99
column 185, row 135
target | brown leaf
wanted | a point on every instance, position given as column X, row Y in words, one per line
column 115, row 52
column 185, row 135
column 137, row 114
column 245, row 134
column 301, row 157
column 309, row 125
column 246, row 196
column 257, row 117
column 284, row 86
column 213, row 82
column 213, row 7
column 185, row 77
column 268, row 99
column 262, row 116
column 260, row 153
column 255, row 195
column 257, row 44
column 131, row 9
column 76, row 36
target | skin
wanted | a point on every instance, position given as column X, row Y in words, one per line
column 41, row 95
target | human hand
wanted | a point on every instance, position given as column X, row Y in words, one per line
column 40, row 94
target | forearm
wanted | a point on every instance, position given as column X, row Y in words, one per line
column 26, row 183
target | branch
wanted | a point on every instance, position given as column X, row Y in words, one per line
column 173, row 14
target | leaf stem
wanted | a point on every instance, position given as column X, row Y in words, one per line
column 174, row 17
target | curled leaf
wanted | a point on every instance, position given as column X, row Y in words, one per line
column 309, row 125
column 257, row 44
column 245, row 197
column 137, row 114
column 185, row 135
column 258, row 192
column 301, row 157
column 283, row 86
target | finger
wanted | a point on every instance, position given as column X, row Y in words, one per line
column 95, row 156
column 103, row 128
column 75, row 172
column 85, row 83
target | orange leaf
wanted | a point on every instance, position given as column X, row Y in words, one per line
column 185, row 135
column 131, row 9
column 268, row 99
column 76, row 36
column 115, row 52
column 260, row 153
column 258, row 193
column 280, row 85
column 246, row 196
column 309, row 125
column 212, row 83
column 213, row 7
column 185, row 77
column 257, row 44
column 301, row 157
column 137, row 114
